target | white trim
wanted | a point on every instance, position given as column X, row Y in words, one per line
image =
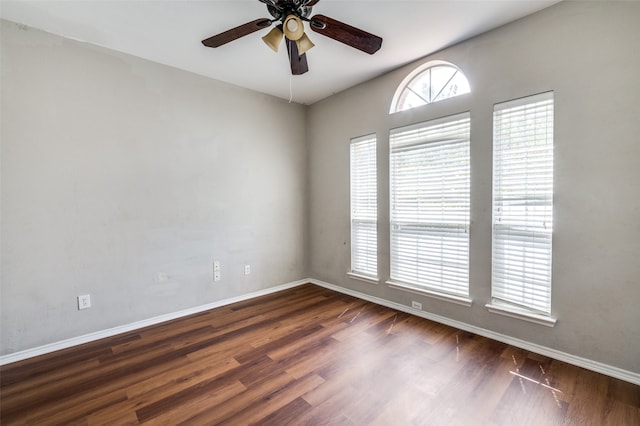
column 519, row 313
column 360, row 277
column 598, row 367
column 464, row 301
column 74, row 341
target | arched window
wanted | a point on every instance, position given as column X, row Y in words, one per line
column 432, row 82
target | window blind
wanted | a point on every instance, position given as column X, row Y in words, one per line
column 430, row 201
column 364, row 207
column 523, row 202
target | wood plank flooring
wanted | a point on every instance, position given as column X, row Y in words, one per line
column 308, row 356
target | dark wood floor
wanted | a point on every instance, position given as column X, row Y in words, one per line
column 308, row 356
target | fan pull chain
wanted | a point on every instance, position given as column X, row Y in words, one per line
column 289, row 50
column 290, row 88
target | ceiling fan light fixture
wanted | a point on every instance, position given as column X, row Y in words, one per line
column 304, row 44
column 293, row 28
column 273, row 38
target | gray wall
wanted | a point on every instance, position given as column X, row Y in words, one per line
column 587, row 53
column 115, row 169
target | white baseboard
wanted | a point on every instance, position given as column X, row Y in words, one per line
column 56, row 346
column 598, row 367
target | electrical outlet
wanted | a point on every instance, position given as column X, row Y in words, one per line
column 216, row 271
column 416, row 305
column 247, row 269
column 84, row 302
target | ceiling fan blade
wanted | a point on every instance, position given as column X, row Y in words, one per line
column 311, row 3
column 298, row 62
column 346, row 34
column 237, row 32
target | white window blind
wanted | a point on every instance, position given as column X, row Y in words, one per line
column 523, row 202
column 364, row 207
column 430, row 202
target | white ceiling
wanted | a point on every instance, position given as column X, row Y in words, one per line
column 170, row 31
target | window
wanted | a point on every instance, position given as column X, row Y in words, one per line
column 430, row 200
column 432, row 82
column 364, row 207
column 523, row 202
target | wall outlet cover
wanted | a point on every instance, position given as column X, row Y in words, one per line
column 84, row 302
column 216, row 271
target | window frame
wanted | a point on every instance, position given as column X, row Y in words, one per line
column 522, row 206
column 363, row 184
column 416, row 73
column 432, row 133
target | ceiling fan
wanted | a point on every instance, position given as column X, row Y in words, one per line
column 290, row 14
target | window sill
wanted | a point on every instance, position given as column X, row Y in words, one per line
column 365, row 278
column 459, row 300
column 519, row 313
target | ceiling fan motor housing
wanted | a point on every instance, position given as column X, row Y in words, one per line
column 281, row 9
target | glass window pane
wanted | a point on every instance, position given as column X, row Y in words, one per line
column 432, row 84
